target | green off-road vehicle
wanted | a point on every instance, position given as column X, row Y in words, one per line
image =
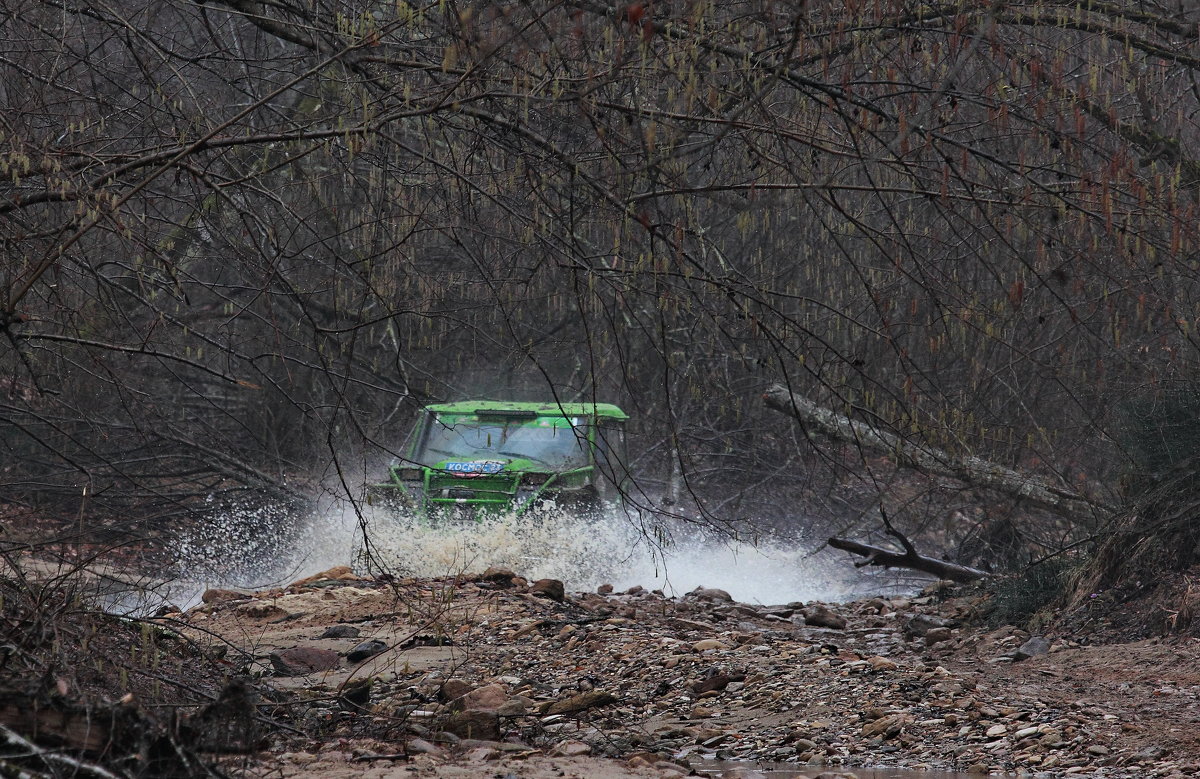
column 471, row 458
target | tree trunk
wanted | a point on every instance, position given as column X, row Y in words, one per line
column 975, row 471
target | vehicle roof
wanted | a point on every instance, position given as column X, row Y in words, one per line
column 606, row 410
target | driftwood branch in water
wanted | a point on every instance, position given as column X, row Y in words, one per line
column 887, row 558
column 972, row 470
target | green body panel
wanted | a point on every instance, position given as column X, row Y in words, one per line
column 489, row 456
column 606, row 410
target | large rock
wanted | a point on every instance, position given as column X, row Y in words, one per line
column 548, row 588
column 920, row 624
column 489, row 697
column 453, row 688
column 821, row 616
column 937, row 636
column 571, row 749
column 301, row 660
column 498, row 575
column 708, row 595
column 1036, row 645
column 474, row 724
column 365, row 650
column 886, row 727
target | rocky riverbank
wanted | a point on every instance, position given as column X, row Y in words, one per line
column 464, row 676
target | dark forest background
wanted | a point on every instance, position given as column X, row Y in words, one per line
column 241, row 243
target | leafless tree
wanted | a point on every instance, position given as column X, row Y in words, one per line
column 244, row 238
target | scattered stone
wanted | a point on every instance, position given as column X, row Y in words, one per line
column 578, row 703
column 548, row 588
column 920, row 624
column 225, row 596
column 365, row 650
column 769, row 693
column 337, row 573
column 474, row 724
column 886, row 727
column 419, row 746
column 717, row 681
column 356, row 694
column 489, row 697
column 498, row 575
column 1035, row 646
column 453, row 688
column 882, row 663
column 1150, row 753
column 300, row 661
column 261, row 610
column 571, row 749
column 819, row 615
column 709, row 594
column 481, row 754
column 340, row 631
column 937, row 636
column 530, row 627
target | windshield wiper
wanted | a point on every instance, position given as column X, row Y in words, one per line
column 523, row 456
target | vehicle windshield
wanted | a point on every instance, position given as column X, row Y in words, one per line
column 556, row 442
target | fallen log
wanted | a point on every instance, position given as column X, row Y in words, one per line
column 909, row 558
column 887, row 558
column 931, row 460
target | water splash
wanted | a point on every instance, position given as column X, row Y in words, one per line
column 617, row 549
column 262, row 545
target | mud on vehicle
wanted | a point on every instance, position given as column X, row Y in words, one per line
column 469, row 459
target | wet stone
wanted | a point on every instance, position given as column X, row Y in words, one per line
column 937, row 635
column 216, row 595
column 1035, row 646
column 299, row 661
column 366, row 650
column 578, row 703
column 552, row 589
column 710, row 594
column 340, row 631
column 474, row 724
column 489, row 697
column 824, row 617
column 920, row 624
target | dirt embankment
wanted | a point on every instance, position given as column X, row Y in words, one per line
column 473, row 675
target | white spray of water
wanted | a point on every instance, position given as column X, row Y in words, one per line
column 617, row 549
column 265, row 546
